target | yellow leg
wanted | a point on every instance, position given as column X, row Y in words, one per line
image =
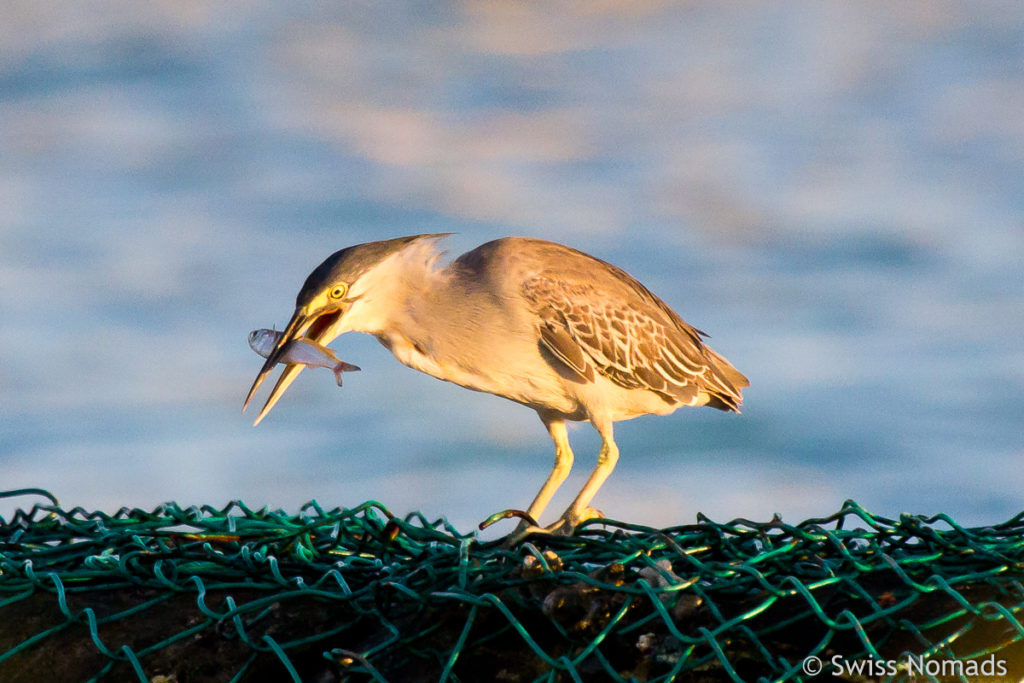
column 563, row 463
column 580, row 510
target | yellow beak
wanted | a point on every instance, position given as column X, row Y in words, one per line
column 297, row 326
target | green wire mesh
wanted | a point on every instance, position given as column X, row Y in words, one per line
column 236, row 594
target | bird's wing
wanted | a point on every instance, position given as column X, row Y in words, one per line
column 556, row 337
column 633, row 339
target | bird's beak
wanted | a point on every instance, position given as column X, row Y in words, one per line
column 301, row 322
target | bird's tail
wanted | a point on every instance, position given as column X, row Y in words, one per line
column 730, row 380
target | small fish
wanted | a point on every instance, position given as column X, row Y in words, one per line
column 302, row 351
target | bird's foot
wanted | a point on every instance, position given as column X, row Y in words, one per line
column 522, row 532
column 527, row 529
column 573, row 518
column 564, row 526
column 527, row 526
column 506, row 514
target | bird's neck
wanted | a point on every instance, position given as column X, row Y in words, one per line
column 448, row 324
column 396, row 295
column 414, row 317
column 422, row 314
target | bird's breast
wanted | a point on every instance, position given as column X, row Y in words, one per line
column 472, row 366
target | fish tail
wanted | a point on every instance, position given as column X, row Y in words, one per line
column 342, row 367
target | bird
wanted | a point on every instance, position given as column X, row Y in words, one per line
column 567, row 334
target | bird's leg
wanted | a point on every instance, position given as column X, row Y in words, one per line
column 580, row 511
column 563, row 463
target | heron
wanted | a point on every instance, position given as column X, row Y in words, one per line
column 571, row 336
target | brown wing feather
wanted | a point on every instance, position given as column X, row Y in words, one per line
column 635, row 340
column 556, row 339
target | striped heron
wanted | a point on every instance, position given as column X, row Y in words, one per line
column 542, row 324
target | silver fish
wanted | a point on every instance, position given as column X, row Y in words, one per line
column 300, row 351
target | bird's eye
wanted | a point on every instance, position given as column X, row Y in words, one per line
column 339, row 291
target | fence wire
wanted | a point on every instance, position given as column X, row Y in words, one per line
column 182, row 594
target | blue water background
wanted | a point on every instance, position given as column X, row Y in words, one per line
column 834, row 191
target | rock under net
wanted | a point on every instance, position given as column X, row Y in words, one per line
column 236, row 594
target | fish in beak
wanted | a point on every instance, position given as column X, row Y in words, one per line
column 323, row 304
column 302, row 324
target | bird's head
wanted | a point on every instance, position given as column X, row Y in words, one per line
column 338, row 296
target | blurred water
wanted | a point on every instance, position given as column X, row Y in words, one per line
column 833, row 191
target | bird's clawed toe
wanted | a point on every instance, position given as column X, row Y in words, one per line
column 564, row 526
column 527, row 520
column 525, row 530
column 522, row 532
